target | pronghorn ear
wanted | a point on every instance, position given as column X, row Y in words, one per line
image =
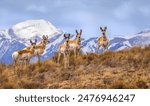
column 35, row 40
column 101, row 28
column 77, row 31
column 47, row 36
column 43, row 36
column 105, row 28
column 31, row 41
column 65, row 35
column 80, row 31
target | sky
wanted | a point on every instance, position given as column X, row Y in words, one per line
column 122, row 17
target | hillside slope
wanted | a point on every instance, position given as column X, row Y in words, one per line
column 129, row 68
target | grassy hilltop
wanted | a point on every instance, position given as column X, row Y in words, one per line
column 129, row 68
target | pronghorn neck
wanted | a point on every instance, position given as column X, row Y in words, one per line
column 77, row 40
column 104, row 36
column 42, row 44
column 67, row 44
column 31, row 51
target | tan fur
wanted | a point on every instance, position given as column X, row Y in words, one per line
column 64, row 49
column 75, row 44
column 25, row 51
column 25, row 54
column 73, row 41
column 42, row 46
column 62, row 46
column 39, row 49
column 103, row 40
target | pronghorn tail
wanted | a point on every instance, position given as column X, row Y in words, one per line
column 15, row 56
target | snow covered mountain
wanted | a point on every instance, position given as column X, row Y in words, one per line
column 18, row 37
column 32, row 28
column 118, row 43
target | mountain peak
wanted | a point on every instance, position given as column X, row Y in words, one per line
column 30, row 28
column 147, row 30
column 4, row 33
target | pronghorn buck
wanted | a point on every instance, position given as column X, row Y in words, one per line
column 103, row 40
column 75, row 45
column 40, row 48
column 24, row 55
column 64, row 49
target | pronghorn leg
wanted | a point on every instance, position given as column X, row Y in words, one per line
column 105, row 47
column 68, row 60
column 38, row 59
column 15, row 62
column 75, row 54
column 78, row 51
column 98, row 48
column 14, row 65
column 65, row 61
column 26, row 62
column 69, row 53
column 58, row 60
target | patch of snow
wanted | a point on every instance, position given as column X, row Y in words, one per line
column 121, row 48
column 5, row 34
column 112, row 45
column 127, row 43
column 32, row 28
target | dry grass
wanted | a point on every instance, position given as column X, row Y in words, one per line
column 129, row 68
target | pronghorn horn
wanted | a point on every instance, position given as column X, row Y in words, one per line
column 31, row 41
column 47, row 36
column 77, row 31
column 65, row 35
column 44, row 36
column 101, row 28
column 105, row 28
column 69, row 35
column 80, row 31
column 35, row 40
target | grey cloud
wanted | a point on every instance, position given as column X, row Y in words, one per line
column 121, row 16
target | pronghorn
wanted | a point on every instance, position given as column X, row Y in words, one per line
column 39, row 50
column 75, row 45
column 64, row 49
column 25, row 54
column 103, row 40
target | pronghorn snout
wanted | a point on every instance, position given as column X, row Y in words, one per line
column 67, row 41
